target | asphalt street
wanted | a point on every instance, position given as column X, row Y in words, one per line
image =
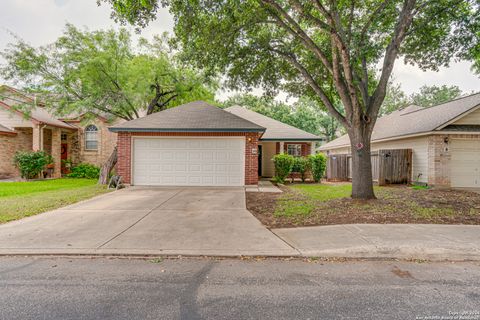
column 102, row 288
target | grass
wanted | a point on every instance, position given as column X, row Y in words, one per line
column 23, row 199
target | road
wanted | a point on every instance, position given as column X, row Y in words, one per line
column 102, row 288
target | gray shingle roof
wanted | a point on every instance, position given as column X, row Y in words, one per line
column 276, row 130
column 415, row 120
column 197, row 116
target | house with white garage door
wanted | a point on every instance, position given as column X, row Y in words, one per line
column 197, row 144
column 444, row 139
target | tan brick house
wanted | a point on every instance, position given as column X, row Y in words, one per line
column 80, row 139
column 445, row 141
column 197, row 144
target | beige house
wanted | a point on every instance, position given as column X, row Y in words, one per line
column 445, row 141
column 79, row 139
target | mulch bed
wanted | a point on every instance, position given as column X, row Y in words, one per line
column 395, row 204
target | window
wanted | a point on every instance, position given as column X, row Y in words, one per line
column 294, row 150
column 91, row 137
column 64, row 137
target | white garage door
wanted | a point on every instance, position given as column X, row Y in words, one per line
column 465, row 165
column 189, row 161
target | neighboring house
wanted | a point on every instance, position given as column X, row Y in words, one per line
column 37, row 129
column 197, row 144
column 445, row 140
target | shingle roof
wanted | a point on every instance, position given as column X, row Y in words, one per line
column 415, row 120
column 276, row 130
column 197, row 116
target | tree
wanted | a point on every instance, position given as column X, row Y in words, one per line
column 100, row 72
column 434, row 95
column 394, row 99
column 304, row 114
column 309, row 46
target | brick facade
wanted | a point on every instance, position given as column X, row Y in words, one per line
column 9, row 145
column 124, row 163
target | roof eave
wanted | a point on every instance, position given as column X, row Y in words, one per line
column 290, row 139
column 112, row 129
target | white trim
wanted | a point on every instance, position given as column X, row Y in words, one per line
column 132, row 148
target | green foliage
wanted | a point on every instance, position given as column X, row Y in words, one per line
column 85, row 170
column 306, row 113
column 31, row 164
column 433, row 95
column 283, row 166
column 302, row 165
column 101, row 72
column 319, row 164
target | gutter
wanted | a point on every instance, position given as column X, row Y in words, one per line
column 114, row 129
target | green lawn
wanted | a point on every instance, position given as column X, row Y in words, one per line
column 23, row 199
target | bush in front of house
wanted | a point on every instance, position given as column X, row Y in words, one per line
column 283, row 166
column 318, row 165
column 31, row 163
column 85, row 170
column 302, row 165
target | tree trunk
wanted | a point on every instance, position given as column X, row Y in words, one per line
column 362, row 182
column 107, row 167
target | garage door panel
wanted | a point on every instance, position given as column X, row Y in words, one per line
column 198, row 161
column 465, row 163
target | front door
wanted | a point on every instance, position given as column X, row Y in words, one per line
column 64, row 157
column 259, row 161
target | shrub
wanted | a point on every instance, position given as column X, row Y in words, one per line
column 301, row 165
column 283, row 166
column 85, row 170
column 318, row 164
column 31, row 164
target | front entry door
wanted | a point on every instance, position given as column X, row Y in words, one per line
column 259, row 161
column 64, row 156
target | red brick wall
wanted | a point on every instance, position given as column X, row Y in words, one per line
column 251, row 158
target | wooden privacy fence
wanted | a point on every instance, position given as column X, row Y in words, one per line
column 388, row 166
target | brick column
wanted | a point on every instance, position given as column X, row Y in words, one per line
column 56, row 152
column 124, row 161
column 438, row 161
column 251, row 158
column 36, row 138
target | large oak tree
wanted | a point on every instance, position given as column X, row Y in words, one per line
column 310, row 46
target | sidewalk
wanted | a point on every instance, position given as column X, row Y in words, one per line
column 407, row 241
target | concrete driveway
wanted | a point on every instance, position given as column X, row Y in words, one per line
column 140, row 220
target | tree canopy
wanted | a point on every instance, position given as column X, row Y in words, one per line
column 308, row 47
column 304, row 114
column 102, row 72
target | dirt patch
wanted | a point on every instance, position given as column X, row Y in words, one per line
column 395, row 204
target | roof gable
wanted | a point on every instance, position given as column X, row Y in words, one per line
column 275, row 130
column 197, row 116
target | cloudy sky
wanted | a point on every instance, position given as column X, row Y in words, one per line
column 42, row 21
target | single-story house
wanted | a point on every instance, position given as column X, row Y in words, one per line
column 444, row 139
column 27, row 125
column 197, row 144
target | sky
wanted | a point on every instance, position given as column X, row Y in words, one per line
column 42, row 21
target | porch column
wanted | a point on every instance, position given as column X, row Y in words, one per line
column 37, row 143
column 313, row 145
column 56, row 152
column 282, row 148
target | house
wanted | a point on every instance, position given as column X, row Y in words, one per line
column 26, row 125
column 197, row 144
column 444, row 139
